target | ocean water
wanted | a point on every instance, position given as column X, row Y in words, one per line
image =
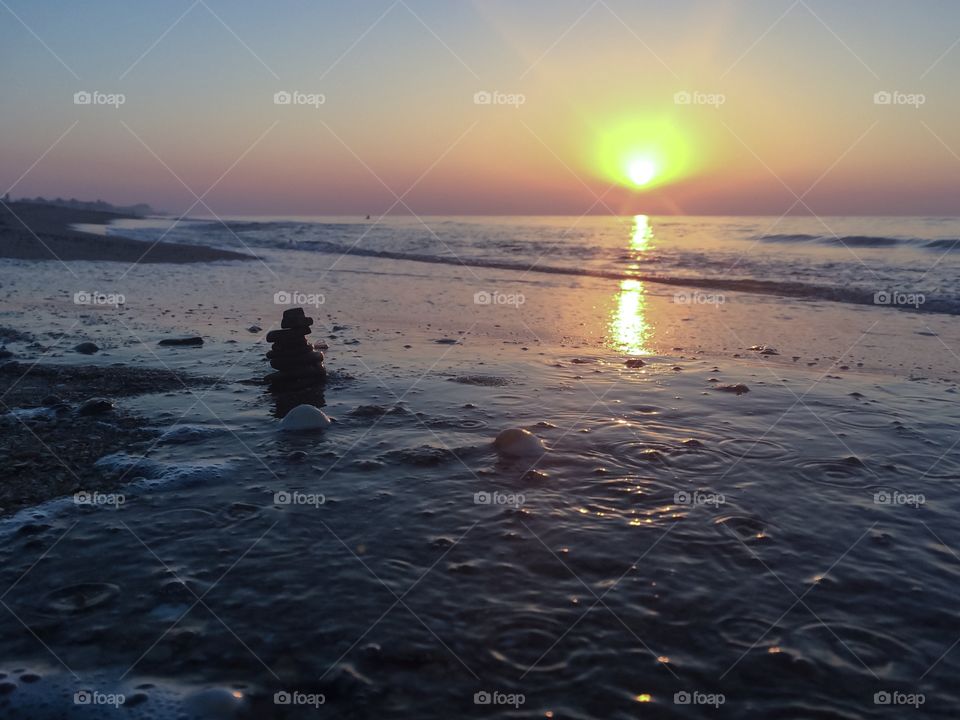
column 904, row 262
column 677, row 551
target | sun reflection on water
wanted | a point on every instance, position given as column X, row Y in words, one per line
column 628, row 323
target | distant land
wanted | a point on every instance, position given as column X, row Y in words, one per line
column 138, row 210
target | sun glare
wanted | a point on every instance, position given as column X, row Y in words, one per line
column 642, row 171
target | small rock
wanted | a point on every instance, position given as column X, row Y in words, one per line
column 254, row 329
column 5, row 354
column 517, row 442
column 738, row 389
column 86, row 348
column 305, row 417
column 95, row 406
column 634, row 363
column 187, row 341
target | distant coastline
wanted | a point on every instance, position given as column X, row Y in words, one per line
column 31, row 230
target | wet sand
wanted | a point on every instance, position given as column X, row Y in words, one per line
column 44, row 232
column 657, row 547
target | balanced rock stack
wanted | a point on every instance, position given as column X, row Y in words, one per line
column 296, row 363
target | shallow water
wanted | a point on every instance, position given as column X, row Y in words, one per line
column 791, row 548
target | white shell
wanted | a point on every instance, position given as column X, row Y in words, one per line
column 517, row 442
column 305, row 417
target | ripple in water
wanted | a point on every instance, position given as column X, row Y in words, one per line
column 844, row 472
column 80, row 598
column 754, row 449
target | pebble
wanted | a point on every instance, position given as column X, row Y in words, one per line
column 517, row 442
column 634, row 363
column 738, row 389
column 86, row 348
column 305, row 417
column 95, row 406
column 189, row 341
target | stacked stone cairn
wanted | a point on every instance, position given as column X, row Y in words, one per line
column 298, row 366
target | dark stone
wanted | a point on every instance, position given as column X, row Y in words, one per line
column 189, row 341
column 95, row 406
column 307, row 360
column 287, row 335
column 5, row 354
column 302, row 322
column 286, row 353
column 86, row 348
column 634, row 363
column 254, row 329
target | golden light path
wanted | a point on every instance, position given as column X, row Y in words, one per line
column 628, row 324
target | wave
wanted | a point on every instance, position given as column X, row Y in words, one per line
column 846, row 240
column 867, row 241
column 781, row 288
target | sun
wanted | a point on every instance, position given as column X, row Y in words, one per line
column 642, row 171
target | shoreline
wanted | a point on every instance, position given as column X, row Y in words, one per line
column 30, row 231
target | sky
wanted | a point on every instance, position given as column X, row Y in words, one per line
column 472, row 107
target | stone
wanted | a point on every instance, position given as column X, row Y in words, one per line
column 297, row 364
column 304, row 418
column 738, row 389
column 86, row 348
column 185, row 341
column 517, row 442
column 95, row 406
column 287, row 335
column 634, row 363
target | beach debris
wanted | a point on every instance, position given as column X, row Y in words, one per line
column 738, row 389
column 297, row 364
column 95, row 406
column 86, row 348
column 517, row 442
column 634, row 363
column 184, row 341
column 764, row 350
column 303, row 418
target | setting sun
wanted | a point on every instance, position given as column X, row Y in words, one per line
column 642, row 171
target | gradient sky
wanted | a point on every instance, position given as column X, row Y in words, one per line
column 399, row 78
